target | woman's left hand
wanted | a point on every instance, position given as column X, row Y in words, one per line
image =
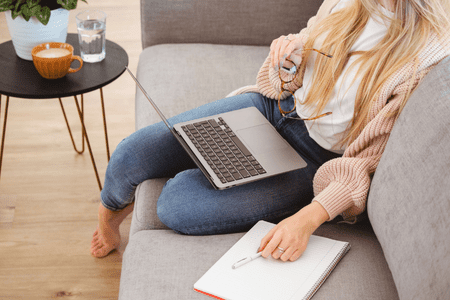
column 288, row 239
column 286, row 47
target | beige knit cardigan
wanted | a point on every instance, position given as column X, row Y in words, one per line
column 341, row 185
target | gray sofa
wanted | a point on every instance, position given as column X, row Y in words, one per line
column 198, row 51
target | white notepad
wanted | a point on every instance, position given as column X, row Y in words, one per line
column 269, row 278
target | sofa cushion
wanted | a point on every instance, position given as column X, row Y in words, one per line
column 408, row 204
column 160, row 264
column 184, row 76
column 146, row 198
column 234, row 22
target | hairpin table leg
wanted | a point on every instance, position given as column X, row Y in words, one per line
column 83, row 128
column 68, row 126
column 4, row 129
column 104, row 124
column 84, row 133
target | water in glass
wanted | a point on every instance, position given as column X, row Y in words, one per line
column 91, row 34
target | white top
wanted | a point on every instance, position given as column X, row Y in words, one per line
column 328, row 131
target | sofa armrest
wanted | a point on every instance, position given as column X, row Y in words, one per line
column 235, row 22
column 146, row 198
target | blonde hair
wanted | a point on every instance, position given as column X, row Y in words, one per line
column 408, row 32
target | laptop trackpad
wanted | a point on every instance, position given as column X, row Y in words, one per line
column 262, row 139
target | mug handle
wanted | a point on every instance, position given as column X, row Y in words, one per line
column 75, row 57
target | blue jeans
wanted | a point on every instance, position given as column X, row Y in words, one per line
column 188, row 203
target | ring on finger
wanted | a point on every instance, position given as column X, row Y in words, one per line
column 287, row 39
column 281, row 250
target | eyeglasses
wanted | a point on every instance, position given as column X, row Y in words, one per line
column 293, row 71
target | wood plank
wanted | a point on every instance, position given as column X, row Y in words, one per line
column 44, row 249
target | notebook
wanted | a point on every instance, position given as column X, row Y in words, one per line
column 233, row 148
column 267, row 278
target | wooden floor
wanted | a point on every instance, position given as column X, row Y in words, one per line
column 48, row 193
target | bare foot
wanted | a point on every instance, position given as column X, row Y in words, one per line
column 107, row 236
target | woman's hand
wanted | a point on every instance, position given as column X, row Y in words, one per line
column 292, row 234
column 286, row 47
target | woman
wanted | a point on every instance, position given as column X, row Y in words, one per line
column 337, row 112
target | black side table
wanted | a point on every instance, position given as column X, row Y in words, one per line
column 19, row 78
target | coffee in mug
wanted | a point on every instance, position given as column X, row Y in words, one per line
column 53, row 53
column 53, row 60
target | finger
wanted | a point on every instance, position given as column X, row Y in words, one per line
column 287, row 65
column 272, row 52
column 267, row 239
column 283, row 53
column 291, row 48
column 295, row 53
column 288, row 253
column 292, row 37
column 290, row 43
column 298, row 252
column 277, row 253
column 296, row 42
column 296, row 255
column 296, row 57
column 271, row 246
column 280, row 51
column 276, row 51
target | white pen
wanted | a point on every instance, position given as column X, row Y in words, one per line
column 246, row 260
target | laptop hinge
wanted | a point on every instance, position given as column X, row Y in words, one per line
column 193, row 157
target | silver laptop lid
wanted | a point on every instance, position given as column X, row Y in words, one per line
column 150, row 100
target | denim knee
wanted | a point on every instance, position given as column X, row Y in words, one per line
column 178, row 205
column 168, row 217
column 118, row 190
column 119, row 162
column 169, row 210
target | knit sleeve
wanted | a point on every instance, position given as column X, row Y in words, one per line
column 341, row 185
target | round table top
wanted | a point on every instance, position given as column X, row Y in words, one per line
column 19, row 78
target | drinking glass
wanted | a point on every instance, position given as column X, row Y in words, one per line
column 91, row 25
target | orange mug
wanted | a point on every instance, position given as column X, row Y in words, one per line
column 53, row 60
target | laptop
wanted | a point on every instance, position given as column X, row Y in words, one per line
column 233, row 148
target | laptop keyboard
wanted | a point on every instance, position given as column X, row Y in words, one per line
column 223, row 150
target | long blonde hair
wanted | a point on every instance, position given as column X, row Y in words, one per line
column 408, row 32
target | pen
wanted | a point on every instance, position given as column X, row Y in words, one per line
column 246, row 260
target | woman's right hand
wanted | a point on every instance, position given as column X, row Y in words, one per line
column 286, row 47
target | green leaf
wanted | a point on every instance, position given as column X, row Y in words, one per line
column 17, row 11
column 18, row 3
column 68, row 4
column 44, row 15
column 33, row 3
column 36, row 10
column 26, row 12
column 6, row 8
column 6, row 5
column 15, row 14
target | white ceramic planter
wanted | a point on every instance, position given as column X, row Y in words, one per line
column 26, row 35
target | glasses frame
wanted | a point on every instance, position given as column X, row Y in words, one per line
column 293, row 71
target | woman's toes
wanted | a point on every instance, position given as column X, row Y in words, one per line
column 102, row 250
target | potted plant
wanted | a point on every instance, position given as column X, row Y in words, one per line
column 33, row 22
